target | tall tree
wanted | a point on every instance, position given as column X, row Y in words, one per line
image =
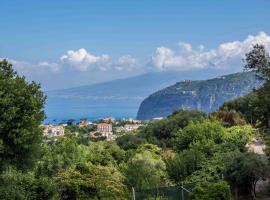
column 258, row 59
column 21, row 112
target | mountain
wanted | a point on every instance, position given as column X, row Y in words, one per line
column 118, row 98
column 204, row 95
column 137, row 87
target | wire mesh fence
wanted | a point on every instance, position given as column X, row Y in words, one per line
column 165, row 193
column 180, row 192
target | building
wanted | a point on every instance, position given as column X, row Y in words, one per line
column 50, row 131
column 130, row 120
column 131, row 127
column 84, row 123
column 108, row 120
column 157, row 118
column 105, row 129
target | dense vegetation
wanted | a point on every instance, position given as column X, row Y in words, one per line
column 209, row 151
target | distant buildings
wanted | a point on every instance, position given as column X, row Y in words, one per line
column 108, row 120
column 51, row 131
column 157, row 118
column 131, row 127
column 84, row 123
column 105, row 129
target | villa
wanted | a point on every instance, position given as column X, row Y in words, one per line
column 105, row 129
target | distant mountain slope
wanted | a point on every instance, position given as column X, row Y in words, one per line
column 202, row 95
column 137, row 87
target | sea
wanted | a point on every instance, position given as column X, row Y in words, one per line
column 60, row 110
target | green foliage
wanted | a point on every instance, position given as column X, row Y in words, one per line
column 246, row 106
column 255, row 106
column 237, row 137
column 160, row 132
column 200, row 134
column 211, row 191
column 105, row 153
column 130, row 141
column 17, row 185
column 60, row 155
column 229, row 117
column 243, row 170
column 91, row 182
column 146, row 170
column 21, row 112
column 183, row 164
column 258, row 59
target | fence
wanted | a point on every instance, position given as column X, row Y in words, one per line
column 166, row 193
column 180, row 192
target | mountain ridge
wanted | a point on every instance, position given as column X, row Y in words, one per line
column 203, row 95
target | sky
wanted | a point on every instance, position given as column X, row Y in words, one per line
column 63, row 44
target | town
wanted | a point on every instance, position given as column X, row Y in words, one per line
column 103, row 129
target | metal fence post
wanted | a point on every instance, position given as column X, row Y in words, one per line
column 182, row 192
column 133, row 194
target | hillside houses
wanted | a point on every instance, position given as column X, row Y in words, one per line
column 51, row 131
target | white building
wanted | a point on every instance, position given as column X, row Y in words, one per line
column 84, row 123
column 131, row 127
column 105, row 129
column 50, row 131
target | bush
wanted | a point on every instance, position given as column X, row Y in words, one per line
column 211, row 191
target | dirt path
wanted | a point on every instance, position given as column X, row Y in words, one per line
column 257, row 146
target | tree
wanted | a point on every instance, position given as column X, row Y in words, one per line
column 258, row 59
column 247, row 106
column 15, row 184
column 244, row 170
column 21, row 113
column 91, row 182
column 130, row 141
column 211, row 191
column 183, row 164
column 161, row 132
column 146, row 170
column 198, row 134
column 229, row 117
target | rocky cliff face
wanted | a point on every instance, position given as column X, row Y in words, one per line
column 205, row 95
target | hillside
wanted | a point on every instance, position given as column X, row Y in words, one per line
column 204, row 95
column 137, row 87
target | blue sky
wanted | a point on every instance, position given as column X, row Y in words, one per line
column 119, row 34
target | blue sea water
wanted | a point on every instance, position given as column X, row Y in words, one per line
column 60, row 110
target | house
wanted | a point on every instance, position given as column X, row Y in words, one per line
column 108, row 120
column 105, row 129
column 84, row 123
column 50, row 131
column 131, row 127
column 130, row 120
column 157, row 118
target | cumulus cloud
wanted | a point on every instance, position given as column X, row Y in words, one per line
column 82, row 60
column 225, row 55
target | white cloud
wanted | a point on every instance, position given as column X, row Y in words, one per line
column 82, row 60
column 225, row 55
column 44, row 66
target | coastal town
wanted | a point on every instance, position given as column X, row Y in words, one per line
column 105, row 128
